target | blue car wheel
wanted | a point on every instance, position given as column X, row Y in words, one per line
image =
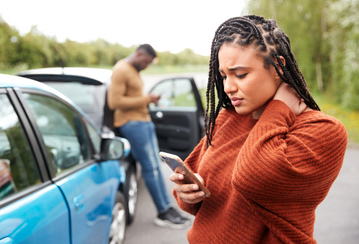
column 131, row 193
column 118, row 224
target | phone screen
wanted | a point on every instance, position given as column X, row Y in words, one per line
column 177, row 165
column 174, row 164
column 178, row 168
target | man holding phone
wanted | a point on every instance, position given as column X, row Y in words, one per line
column 132, row 120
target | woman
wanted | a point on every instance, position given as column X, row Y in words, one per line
column 269, row 155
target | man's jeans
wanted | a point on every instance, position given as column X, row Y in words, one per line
column 144, row 147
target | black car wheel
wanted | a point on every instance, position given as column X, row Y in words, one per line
column 131, row 193
column 118, row 224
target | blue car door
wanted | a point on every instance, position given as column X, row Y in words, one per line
column 89, row 187
column 32, row 208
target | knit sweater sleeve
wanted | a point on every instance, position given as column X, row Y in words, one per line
column 117, row 90
column 283, row 159
column 192, row 161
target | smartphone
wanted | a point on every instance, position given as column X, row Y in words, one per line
column 178, row 166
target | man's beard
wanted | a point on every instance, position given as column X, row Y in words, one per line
column 137, row 67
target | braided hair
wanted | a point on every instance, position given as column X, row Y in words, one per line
column 271, row 42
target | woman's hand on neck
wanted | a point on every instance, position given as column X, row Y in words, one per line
column 290, row 97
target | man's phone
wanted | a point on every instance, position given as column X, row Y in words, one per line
column 178, row 166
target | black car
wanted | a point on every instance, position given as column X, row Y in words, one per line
column 178, row 117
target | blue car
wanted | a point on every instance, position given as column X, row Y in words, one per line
column 61, row 180
column 178, row 117
column 87, row 88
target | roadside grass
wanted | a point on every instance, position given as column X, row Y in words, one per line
column 14, row 69
column 167, row 69
column 349, row 118
column 152, row 69
column 163, row 69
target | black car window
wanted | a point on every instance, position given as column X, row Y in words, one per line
column 61, row 131
column 90, row 98
column 18, row 169
column 175, row 94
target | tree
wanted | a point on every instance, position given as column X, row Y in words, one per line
column 36, row 50
column 343, row 19
column 8, row 44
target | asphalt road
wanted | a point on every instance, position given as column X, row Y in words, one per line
column 143, row 230
column 337, row 217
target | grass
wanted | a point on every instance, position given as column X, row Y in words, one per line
column 152, row 69
column 349, row 118
column 13, row 70
column 167, row 69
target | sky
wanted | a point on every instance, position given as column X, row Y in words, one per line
column 166, row 25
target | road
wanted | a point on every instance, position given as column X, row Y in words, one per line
column 337, row 217
column 143, row 230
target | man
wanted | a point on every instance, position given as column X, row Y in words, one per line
column 131, row 118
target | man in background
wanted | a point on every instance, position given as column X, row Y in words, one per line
column 132, row 120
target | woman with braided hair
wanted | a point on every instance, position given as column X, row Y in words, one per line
column 270, row 155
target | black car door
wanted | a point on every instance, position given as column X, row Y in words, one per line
column 178, row 117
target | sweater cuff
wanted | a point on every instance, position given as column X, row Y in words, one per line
column 189, row 208
column 278, row 113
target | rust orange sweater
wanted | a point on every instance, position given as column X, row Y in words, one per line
column 266, row 177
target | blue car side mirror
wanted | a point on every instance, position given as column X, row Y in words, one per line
column 112, row 149
column 126, row 145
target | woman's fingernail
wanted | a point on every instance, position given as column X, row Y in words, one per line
column 201, row 194
column 180, row 176
column 195, row 187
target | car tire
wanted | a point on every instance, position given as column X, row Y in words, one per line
column 118, row 223
column 131, row 193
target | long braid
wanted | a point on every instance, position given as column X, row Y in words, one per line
column 271, row 41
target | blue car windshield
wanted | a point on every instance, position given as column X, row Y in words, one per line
column 90, row 98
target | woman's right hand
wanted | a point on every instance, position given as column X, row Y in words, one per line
column 189, row 193
column 290, row 97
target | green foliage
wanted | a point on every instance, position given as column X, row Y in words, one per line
column 186, row 57
column 8, row 45
column 34, row 50
column 344, row 41
column 167, row 69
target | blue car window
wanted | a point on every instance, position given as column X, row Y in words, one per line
column 61, row 131
column 94, row 135
column 18, row 170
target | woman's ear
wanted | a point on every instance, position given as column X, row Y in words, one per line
column 278, row 66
